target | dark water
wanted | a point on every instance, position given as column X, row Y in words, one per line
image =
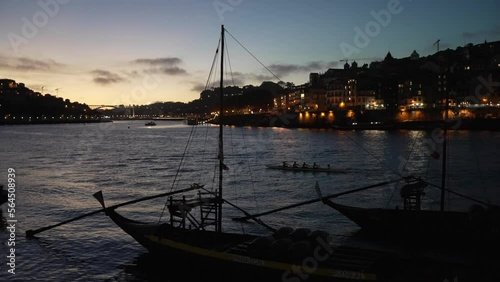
column 59, row 167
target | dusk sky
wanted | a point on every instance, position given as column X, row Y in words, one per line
column 138, row 52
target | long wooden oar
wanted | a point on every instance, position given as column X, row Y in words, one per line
column 244, row 218
column 244, row 212
column 31, row 233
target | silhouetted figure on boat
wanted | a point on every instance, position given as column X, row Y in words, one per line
column 295, row 164
column 285, row 164
column 315, row 165
column 304, row 165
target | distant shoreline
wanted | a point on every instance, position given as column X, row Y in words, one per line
column 32, row 122
column 276, row 121
column 265, row 120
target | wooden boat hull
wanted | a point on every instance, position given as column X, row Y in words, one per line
column 221, row 251
column 392, row 220
column 187, row 250
column 445, row 229
column 307, row 169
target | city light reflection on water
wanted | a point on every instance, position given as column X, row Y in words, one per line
column 59, row 167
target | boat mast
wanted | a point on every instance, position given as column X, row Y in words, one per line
column 445, row 137
column 221, row 146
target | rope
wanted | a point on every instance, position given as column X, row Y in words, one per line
column 214, row 61
column 250, row 170
column 374, row 157
column 253, row 56
column 228, row 62
column 190, row 138
column 404, row 166
column 447, row 175
column 459, row 194
column 178, row 170
column 481, row 179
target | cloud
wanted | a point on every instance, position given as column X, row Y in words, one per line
column 168, row 66
column 28, row 64
column 281, row 70
column 468, row 35
column 286, row 69
column 159, row 61
column 173, row 71
column 198, row 87
column 105, row 77
column 482, row 34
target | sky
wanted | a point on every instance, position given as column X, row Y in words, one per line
column 111, row 52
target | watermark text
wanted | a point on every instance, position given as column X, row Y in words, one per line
column 11, row 221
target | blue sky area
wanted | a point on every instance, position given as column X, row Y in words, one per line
column 137, row 52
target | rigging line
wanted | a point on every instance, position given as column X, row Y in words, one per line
column 188, row 143
column 448, row 174
column 214, row 78
column 428, row 168
column 373, row 156
column 192, row 130
column 250, row 171
column 253, row 56
column 213, row 65
column 177, row 171
column 235, row 188
column 249, row 168
column 404, row 166
column 412, row 150
column 481, row 178
column 228, row 61
column 204, row 151
column 459, row 194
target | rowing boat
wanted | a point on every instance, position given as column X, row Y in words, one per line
column 309, row 169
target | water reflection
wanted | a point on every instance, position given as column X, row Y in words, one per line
column 61, row 166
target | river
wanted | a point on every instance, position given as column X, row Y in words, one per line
column 59, row 167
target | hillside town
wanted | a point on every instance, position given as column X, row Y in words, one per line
column 470, row 75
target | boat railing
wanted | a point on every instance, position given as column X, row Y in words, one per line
column 181, row 209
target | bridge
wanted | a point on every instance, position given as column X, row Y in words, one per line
column 104, row 107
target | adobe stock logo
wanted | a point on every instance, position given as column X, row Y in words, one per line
column 362, row 38
column 223, row 6
column 40, row 19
